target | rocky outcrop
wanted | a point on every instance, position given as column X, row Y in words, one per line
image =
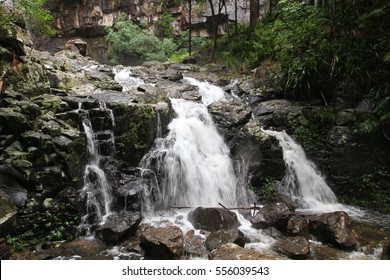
column 229, row 116
column 8, row 215
column 334, row 229
column 118, row 226
column 213, row 219
column 163, row 243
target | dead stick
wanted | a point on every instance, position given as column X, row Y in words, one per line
column 233, row 208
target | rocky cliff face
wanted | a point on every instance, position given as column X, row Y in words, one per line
column 86, row 20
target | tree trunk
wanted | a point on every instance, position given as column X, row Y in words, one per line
column 254, row 12
column 189, row 26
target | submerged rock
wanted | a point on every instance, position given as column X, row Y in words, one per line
column 213, row 219
column 119, row 226
column 163, row 243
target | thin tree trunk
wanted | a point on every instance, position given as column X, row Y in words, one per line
column 235, row 17
column 254, row 12
column 190, row 27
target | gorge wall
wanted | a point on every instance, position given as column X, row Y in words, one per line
column 86, row 20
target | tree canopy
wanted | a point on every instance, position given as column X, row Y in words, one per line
column 30, row 11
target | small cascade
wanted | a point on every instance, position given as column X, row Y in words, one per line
column 100, row 143
column 302, row 182
column 210, row 93
column 123, row 75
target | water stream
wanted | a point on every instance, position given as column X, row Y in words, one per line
column 191, row 166
column 100, row 141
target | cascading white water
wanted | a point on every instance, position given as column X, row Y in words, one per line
column 96, row 187
column 123, row 75
column 192, row 159
column 210, row 93
column 302, row 182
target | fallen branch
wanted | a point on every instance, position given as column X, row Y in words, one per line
column 254, row 207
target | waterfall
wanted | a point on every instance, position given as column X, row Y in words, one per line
column 100, row 141
column 302, row 182
column 123, row 75
column 192, row 161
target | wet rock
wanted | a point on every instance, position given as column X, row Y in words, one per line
column 386, row 250
column 274, row 214
column 12, row 122
column 273, row 232
column 220, row 237
column 8, row 215
column 213, row 219
column 165, row 243
column 293, row 247
column 298, row 225
column 334, row 229
column 119, row 226
column 250, row 145
column 194, row 245
column 13, row 184
column 229, row 116
column 232, row 251
column 172, row 75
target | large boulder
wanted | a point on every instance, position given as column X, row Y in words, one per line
column 220, row 237
column 229, row 116
column 119, row 226
column 334, row 229
column 8, row 215
column 213, row 219
column 233, row 251
column 298, row 225
column 165, row 243
column 293, row 247
column 274, row 214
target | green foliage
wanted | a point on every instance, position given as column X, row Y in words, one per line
column 312, row 129
column 380, row 117
column 340, row 47
column 50, row 226
column 164, row 27
column 371, row 192
column 131, row 45
column 32, row 11
column 268, row 188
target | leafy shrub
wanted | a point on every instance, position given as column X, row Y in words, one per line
column 341, row 47
column 131, row 45
column 33, row 12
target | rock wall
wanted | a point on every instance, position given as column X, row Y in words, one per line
column 86, row 20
